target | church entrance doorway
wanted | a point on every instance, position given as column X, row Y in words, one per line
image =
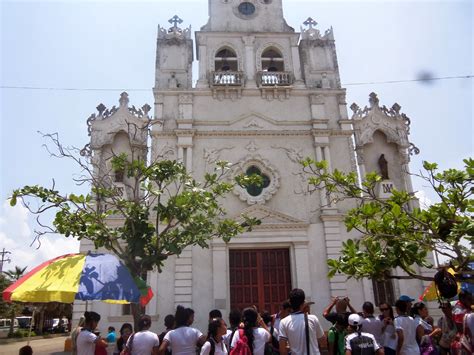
column 259, row 277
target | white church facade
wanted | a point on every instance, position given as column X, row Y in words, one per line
column 266, row 97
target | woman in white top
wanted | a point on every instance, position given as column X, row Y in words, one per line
column 183, row 339
column 257, row 336
column 389, row 335
column 215, row 338
column 143, row 342
column 424, row 330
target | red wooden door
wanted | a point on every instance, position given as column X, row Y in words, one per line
column 259, row 277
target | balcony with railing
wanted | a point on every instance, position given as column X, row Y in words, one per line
column 227, row 78
column 277, row 78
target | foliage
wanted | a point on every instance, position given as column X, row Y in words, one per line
column 395, row 231
column 4, row 307
column 15, row 274
column 160, row 210
column 21, row 333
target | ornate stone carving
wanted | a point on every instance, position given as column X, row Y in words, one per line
column 267, row 169
column 252, row 147
column 253, row 124
column 294, row 154
column 395, row 125
column 185, row 99
column 174, row 32
column 312, row 33
column 317, row 99
column 166, row 151
column 211, row 155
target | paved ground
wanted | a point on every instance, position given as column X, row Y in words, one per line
column 40, row 347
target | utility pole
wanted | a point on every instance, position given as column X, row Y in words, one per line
column 4, row 259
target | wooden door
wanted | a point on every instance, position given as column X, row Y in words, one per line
column 259, row 277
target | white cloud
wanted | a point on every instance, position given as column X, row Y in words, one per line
column 425, row 202
column 16, row 236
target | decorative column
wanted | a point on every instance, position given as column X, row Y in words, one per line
column 183, row 278
column 303, row 278
column 249, row 61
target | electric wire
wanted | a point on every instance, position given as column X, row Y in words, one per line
column 130, row 90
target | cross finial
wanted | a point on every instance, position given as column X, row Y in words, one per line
column 310, row 22
column 175, row 20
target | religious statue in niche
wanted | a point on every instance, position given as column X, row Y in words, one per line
column 383, row 165
column 172, row 82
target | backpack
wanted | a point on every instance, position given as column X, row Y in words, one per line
column 242, row 346
column 272, row 348
column 446, row 284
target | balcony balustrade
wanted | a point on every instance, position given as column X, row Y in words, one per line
column 278, row 78
column 227, row 78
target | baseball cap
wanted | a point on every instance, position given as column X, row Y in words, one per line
column 355, row 319
column 406, row 298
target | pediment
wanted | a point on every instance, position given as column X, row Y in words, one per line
column 271, row 219
column 253, row 121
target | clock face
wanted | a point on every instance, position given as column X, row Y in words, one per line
column 246, row 8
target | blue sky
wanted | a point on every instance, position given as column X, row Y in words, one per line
column 111, row 45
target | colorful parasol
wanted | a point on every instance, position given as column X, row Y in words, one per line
column 82, row 277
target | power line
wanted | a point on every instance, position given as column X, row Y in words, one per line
column 344, row 84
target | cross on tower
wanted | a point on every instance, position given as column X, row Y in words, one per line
column 310, row 22
column 175, row 20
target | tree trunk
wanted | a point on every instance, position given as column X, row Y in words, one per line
column 137, row 312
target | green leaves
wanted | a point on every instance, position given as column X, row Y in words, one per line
column 393, row 232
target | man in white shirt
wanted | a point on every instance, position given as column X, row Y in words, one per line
column 405, row 327
column 293, row 328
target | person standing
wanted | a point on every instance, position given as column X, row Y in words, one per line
column 169, row 325
column 86, row 340
column 75, row 333
column 235, row 318
column 300, row 331
column 389, row 335
column 405, row 327
column 125, row 331
column 143, row 342
column 183, row 339
column 358, row 342
column 215, row 344
column 370, row 324
column 255, row 330
column 336, row 336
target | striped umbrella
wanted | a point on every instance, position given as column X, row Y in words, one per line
column 82, row 277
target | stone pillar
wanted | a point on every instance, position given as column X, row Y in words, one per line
column 303, row 279
column 183, row 284
column 220, row 271
column 332, row 233
column 202, row 81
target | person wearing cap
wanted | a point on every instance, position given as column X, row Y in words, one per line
column 341, row 304
column 293, row 329
column 408, row 300
column 358, row 342
column 405, row 327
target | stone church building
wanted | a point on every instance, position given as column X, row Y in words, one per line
column 266, row 97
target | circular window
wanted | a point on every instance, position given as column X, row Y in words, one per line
column 246, row 8
column 256, row 189
column 260, row 192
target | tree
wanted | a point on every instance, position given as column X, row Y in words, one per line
column 163, row 210
column 13, row 308
column 394, row 232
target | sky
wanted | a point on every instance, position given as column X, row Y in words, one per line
column 77, row 54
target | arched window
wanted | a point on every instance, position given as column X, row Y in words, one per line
column 225, row 60
column 226, row 67
column 272, row 60
column 273, row 69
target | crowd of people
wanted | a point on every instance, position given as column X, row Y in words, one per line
column 294, row 330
